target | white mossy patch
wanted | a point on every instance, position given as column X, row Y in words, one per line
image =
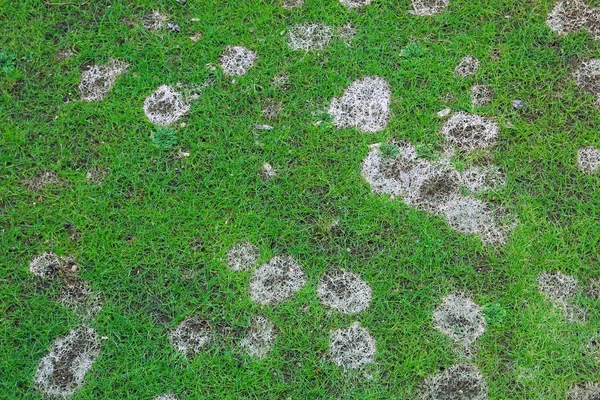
column 45, row 265
column 459, row 382
column 365, row 105
column 41, row 180
column 96, row 175
column 352, row 347
column 468, row 66
column 81, row 299
column 591, row 391
column 97, row 81
column 155, row 20
column 166, row 396
column 309, row 36
column 267, row 172
column 429, row 7
column 291, row 4
column 560, row 290
column 276, row 280
column 480, row 179
column 191, row 336
column 61, row 373
column 165, row 106
column 460, row 319
column 259, row 338
column 588, row 160
column 434, row 186
column 573, row 15
column 237, row 60
column 242, row 256
column 471, row 216
column 355, row 3
column 587, row 76
column 470, row 132
column 481, row 95
column 344, row 291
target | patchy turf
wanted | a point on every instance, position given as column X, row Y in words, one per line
column 418, row 148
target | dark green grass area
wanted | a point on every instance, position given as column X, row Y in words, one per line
column 154, row 234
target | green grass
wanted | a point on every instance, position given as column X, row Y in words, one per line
column 141, row 227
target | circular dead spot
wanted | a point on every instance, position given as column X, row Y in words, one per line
column 587, row 76
column 387, row 168
column 45, row 265
column 365, row 105
column 237, row 60
column 558, row 287
column 291, row 4
column 481, row 95
column 471, row 216
column 267, row 172
column 344, row 291
column 468, row 66
column 271, row 108
column 309, row 36
column 242, row 256
column 96, row 175
column 276, row 280
column 165, row 106
column 573, row 15
column 355, row 3
column 166, row 396
column 459, row 318
column 459, row 382
column 41, row 180
column 191, row 336
column 435, row 188
column 155, row 20
column 352, row 347
column 480, row 179
column 259, row 338
column 470, row 132
column 61, row 373
column 346, row 33
column 100, row 79
column 81, row 299
column 588, row 160
column 429, row 7
column 591, row 391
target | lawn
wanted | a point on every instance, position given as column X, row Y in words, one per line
column 137, row 215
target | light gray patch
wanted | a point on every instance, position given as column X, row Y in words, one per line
column 41, row 180
column 45, row 265
column 267, row 172
column 97, row 81
column 346, row 33
column 242, row 256
column 591, row 391
column 470, row 132
column 587, row 76
column 166, row 396
column 259, row 338
column 588, row 160
column 569, row 16
column 344, row 291
column 460, row 319
column 480, row 179
column 352, row 347
column 165, row 106
column 355, row 3
column 155, row 20
column 191, row 336
column 96, row 175
column 81, row 299
column 291, row 4
column 468, row 66
column 365, row 105
column 276, row 280
column 237, row 60
column 481, row 95
column 61, row 373
column 459, row 382
column 429, row 7
column 309, row 36
column 271, row 108
column 561, row 289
